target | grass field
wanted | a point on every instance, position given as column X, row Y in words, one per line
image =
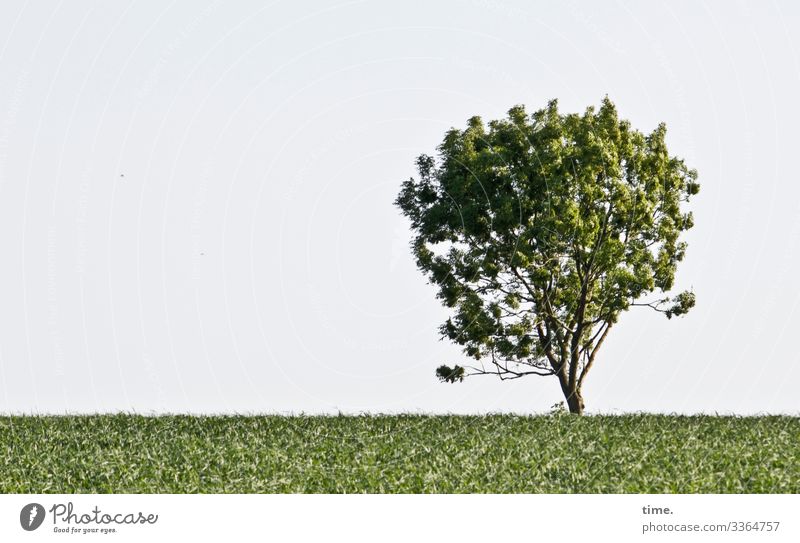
column 408, row 453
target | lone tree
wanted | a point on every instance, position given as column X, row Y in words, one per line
column 540, row 230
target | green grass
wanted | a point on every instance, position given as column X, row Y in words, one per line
column 407, row 453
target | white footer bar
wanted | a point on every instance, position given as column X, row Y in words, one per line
column 388, row 518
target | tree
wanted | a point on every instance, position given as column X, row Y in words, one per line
column 540, row 230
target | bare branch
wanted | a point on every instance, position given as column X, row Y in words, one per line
column 591, row 355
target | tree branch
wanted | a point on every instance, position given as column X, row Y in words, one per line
column 593, row 353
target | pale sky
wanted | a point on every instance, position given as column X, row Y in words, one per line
column 196, row 198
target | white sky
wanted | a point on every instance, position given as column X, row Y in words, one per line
column 251, row 259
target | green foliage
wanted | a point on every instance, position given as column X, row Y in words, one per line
column 450, row 375
column 405, row 453
column 683, row 302
column 540, row 230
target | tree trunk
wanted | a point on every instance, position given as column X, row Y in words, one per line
column 575, row 402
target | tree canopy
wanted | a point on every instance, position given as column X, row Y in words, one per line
column 540, row 229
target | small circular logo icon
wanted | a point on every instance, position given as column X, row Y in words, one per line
column 31, row 516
